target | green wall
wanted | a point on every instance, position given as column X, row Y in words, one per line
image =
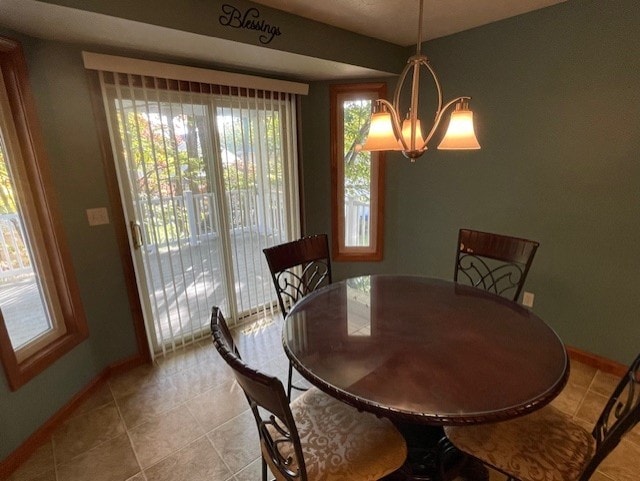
column 557, row 101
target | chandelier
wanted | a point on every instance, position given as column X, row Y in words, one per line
column 387, row 130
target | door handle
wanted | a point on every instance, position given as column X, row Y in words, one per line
column 136, row 234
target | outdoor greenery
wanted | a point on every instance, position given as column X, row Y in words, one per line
column 14, row 253
column 7, row 198
column 170, row 154
column 357, row 163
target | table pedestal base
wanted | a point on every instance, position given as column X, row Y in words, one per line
column 432, row 457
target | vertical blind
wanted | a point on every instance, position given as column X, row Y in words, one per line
column 208, row 176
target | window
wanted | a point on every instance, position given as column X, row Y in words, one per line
column 357, row 177
column 39, row 303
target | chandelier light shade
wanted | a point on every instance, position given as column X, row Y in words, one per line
column 460, row 135
column 381, row 135
column 408, row 134
column 388, row 132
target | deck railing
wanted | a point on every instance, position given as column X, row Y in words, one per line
column 14, row 255
column 357, row 222
column 192, row 217
column 189, row 218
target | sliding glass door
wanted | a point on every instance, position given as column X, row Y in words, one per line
column 208, row 178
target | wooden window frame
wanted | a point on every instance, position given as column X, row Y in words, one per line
column 13, row 69
column 341, row 252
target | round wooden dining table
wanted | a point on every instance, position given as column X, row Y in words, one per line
column 425, row 351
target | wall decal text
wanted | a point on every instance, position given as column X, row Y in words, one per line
column 250, row 20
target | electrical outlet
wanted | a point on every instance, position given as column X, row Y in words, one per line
column 98, row 216
column 527, row 299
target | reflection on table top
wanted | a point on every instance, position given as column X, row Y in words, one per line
column 425, row 350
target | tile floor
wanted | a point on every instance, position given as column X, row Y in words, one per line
column 184, row 419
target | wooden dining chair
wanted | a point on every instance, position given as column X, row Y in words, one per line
column 547, row 444
column 298, row 268
column 317, row 437
column 493, row 262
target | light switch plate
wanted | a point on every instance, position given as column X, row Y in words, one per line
column 98, row 216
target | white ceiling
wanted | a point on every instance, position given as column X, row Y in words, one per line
column 396, row 21
column 392, row 20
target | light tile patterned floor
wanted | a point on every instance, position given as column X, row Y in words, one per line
column 184, row 419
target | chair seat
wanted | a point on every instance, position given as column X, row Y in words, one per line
column 340, row 443
column 543, row 446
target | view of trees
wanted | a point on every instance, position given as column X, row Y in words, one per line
column 7, row 198
column 357, row 164
column 168, row 153
column 163, row 153
column 14, row 253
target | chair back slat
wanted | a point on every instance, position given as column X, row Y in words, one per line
column 493, row 262
column 217, row 319
column 298, row 268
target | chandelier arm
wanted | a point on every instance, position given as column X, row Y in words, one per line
column 439, row 110
column 441, row 113
column 412, row 64
column 401, row 80
column 436, row 81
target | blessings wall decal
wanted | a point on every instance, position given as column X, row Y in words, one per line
column 250, row 20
